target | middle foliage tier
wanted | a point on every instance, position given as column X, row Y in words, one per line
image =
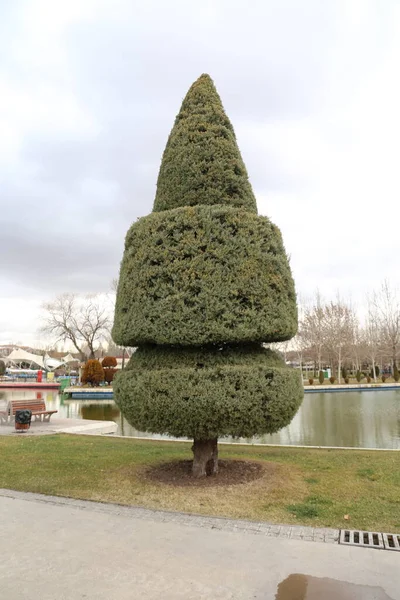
column 204, row 275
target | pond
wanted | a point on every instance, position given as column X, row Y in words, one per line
column 357, row 419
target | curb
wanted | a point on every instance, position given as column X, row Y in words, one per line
column 293, row 532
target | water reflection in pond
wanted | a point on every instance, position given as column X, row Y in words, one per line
column 367, row 419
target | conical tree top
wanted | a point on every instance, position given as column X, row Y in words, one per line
column 202, row 163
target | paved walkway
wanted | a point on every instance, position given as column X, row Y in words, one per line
column 59, row 425
column 60, row 549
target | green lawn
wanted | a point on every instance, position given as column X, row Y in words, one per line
column 310, row 487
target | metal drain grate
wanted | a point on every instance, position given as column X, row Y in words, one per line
column 367, row 539
column 391, row 541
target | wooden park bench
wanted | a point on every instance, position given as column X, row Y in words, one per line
column 38, row 408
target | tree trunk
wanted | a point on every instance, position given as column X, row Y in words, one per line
column 205, row 457
column 373, row 370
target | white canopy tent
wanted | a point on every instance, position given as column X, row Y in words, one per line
column 69, row 359
column 51, row 363
column 19, row 356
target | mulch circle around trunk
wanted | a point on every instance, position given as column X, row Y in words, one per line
column 230, row 472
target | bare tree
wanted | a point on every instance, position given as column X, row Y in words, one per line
column 337, row 332
column 387, row 307
column 312, row 327
column 357, row 340
column 83, row 321
column 282, row 347
column 372, row 334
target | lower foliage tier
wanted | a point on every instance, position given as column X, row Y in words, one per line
column 204, row 394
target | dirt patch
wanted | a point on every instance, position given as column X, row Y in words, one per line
column 230, row 472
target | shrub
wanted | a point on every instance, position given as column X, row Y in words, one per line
column 109, row 363
column 109, row 375
column 396, row 374
column 359, row 376
column 204, row 281
column 2, row 368
column 311, row 381
column 383, row 378
column 321, row 377
column 377, row 371
column 346, row 380
column 344, row 372
column 368, row 379
column 332, row 379
column 93, row 372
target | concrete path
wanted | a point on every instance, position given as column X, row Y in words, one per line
column 57, row 549
column 59, row 425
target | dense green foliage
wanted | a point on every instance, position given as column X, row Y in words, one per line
column 2, row 368
column 93, row 372
column 202, row 162
column 204, row 275
column 161, row 357
column 204, row 394
column 204, row 280
column 321, row 377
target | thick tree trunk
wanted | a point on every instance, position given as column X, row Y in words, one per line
column 205, row 457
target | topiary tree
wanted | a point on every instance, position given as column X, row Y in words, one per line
column 396, row 374
column 359, row 375
column 93, row 372
column 321, row 377
column 109, row 363
column 204, row 281
column 2, row 368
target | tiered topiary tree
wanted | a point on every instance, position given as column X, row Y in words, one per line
column 93, row 372
column 204, row 282
column 109, row 363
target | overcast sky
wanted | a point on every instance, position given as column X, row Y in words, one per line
column 88, row 93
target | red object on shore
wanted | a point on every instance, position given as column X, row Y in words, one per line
column 39, row 376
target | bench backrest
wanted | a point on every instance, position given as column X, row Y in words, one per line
column 33, row 405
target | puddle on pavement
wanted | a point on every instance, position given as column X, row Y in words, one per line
column 305, row 587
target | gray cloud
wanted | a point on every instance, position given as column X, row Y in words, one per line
column 71, row 196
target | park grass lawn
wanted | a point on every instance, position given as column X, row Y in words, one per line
column 300, row 486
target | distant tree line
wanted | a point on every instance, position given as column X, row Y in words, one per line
column 333, row 334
